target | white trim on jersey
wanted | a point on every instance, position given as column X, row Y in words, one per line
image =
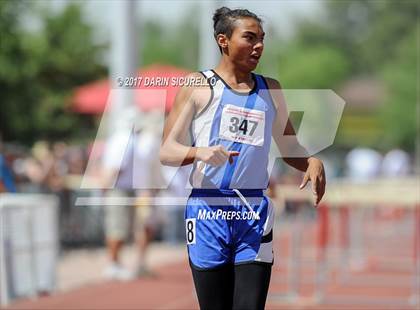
column 201, row 128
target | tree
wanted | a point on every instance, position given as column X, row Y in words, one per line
column 313, row 67
column 399, row 115
column 376, row 39
column 370, row 31
column 177, row 45
column 39, row 69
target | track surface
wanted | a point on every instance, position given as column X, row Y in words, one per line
column 385, row 282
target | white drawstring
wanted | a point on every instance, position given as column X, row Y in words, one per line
column 244, row 200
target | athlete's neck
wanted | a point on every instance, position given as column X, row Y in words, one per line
column 232, row 74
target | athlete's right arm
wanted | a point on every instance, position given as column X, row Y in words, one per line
column 174, row 150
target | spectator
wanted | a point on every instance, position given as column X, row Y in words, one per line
column 130, row 159
column 396, row 163
column 7, row 183
column 363, row 164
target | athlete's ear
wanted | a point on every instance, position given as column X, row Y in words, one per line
column 222, row 40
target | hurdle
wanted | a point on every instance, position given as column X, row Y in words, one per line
column 340, row 195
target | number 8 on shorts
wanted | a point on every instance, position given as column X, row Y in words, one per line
column 190, row 230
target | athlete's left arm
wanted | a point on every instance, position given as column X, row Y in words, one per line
column 285, row 137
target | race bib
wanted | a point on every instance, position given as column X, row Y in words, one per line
column 242, row 125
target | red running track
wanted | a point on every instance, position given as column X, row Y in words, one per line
column 385, row 283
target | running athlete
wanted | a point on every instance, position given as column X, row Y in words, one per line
column 231, row 119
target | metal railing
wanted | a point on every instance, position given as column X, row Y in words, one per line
column 28, row 245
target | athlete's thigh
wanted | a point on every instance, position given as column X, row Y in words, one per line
column 214, row 287
column 251, row 286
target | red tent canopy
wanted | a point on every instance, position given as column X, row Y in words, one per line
column 92, row 98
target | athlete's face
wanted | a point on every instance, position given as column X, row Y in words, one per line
column 246, row 44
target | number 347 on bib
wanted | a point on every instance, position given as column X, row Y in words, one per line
column 242, row 125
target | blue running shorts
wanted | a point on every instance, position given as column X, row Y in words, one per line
column 229, row 227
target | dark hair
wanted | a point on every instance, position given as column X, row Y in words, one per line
column 224, row 19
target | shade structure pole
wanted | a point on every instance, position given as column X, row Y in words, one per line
column 123, row 62
column 209, row 52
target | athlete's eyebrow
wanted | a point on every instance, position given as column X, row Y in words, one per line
column 253, row 33
column 250, row 32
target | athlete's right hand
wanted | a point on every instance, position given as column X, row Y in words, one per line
column 215, row 155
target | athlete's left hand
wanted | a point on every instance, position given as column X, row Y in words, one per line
column 316, row 174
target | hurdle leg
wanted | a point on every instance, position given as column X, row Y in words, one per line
column 294, row 257
column 356, row 251
column 344, row 236
column 321, row 273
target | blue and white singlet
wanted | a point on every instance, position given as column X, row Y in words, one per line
column 240, row 122
column 220, row 222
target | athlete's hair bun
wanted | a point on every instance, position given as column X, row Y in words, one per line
column 219, row 14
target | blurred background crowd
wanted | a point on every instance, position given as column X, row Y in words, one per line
column 54, row 59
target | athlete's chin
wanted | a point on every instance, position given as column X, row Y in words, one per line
column 251, row 65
